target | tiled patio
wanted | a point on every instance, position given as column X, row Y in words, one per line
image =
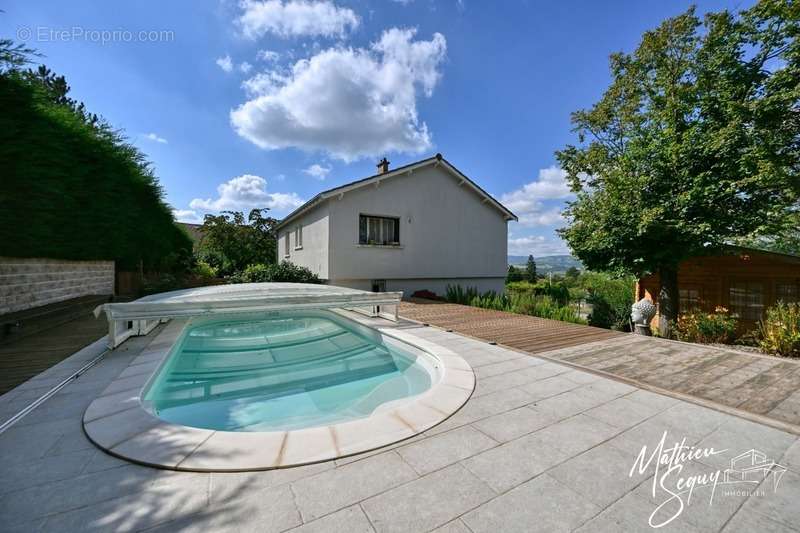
column 759, row 385
column 539, row 447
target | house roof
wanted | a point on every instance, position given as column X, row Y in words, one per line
column 436, row 160
column 195, row 231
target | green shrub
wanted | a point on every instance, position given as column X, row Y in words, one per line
column 514, row 274
column 779, row 332
column 455, row 294
column 285, row 271
column 703, row 327
column 204, row 271
column 523, row 302
column 520, row 286
column 611, row 299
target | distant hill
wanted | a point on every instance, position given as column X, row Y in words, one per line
column 557, row 264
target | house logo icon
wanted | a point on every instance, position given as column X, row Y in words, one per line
column 752, row 467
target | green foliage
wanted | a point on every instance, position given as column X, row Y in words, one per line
column 703, row 327
column 559, row 292
column 456, row 294
column 204, row 271
column 520, row 286
column 230, row 243
column 611, row 299
column 14, row 55
column 779, row 332
column 281, row 272
column 693, row 145
column 785, row 239
column 514, row 274
column 530, row 269
column 74, row 188
column 572, row 273
column 522, row 301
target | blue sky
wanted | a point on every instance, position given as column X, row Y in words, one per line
column 265, row 103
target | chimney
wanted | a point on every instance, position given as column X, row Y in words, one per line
column 383, row 166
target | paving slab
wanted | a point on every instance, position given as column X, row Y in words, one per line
column 557, row 509
column 428, row 502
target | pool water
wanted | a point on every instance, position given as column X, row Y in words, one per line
column 283, row 372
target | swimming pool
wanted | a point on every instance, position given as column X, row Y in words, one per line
column 273, row 389
column 284, row 371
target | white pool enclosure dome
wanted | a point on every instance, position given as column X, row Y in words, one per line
column 141, row 316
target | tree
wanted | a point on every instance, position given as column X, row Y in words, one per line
column 785, row 239
column 514, row 274
column 230, row 243
column 693, row 145
column 14, row 55
column 73, row 189
column 572, row 273
column 56, row 88
column 530, row 269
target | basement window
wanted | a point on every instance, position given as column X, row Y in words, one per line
column 378, row 230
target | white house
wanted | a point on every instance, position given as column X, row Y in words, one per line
column 417, row 227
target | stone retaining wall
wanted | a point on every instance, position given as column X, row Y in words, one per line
column 27, row 283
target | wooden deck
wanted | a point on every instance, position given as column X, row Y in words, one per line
column 523, row 332
column 21, row 359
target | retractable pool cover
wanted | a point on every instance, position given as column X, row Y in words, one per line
column 238, row 298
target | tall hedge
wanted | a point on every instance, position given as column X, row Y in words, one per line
column 72, row 189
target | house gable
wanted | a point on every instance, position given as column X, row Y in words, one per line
column 408, row 170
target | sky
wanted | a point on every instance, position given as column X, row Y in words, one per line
column 244, row 103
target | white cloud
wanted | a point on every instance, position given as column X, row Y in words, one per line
column 350, row 103
column 187, row 215
column 155, row 138
column 295, row 18
column 536, row 245
column 244, row 193
column 317, row 171
column 527, row 202
column 268, row 56
column 225, row 63
column 245, row 67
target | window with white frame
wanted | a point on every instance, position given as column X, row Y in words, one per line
column 378, row 230
column 286, row 245
column 298, row 237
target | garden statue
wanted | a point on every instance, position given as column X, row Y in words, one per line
column 642, row 312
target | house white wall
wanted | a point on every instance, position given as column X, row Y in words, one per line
column 314, row 252
column 448, row 234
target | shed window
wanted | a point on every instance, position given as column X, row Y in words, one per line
column 690, row 299
column 378, row 230
column 787, row 292
column 747, row 299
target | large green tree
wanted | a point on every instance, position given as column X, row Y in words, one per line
column 694, row 144
column 231, row 243
column 73, row 187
